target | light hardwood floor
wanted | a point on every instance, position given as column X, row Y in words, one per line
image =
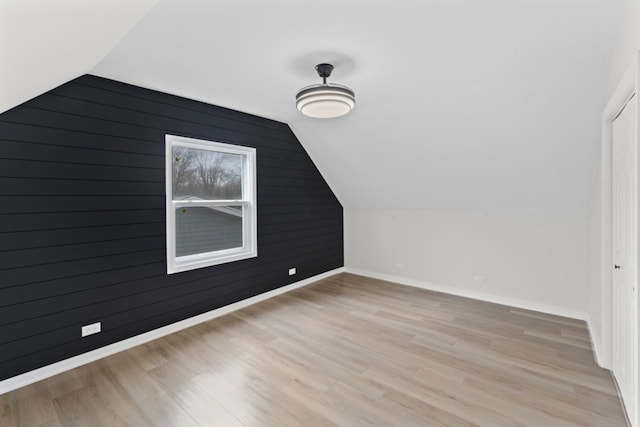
column 345, row 351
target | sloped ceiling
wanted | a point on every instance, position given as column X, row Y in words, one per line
column 45, row 43
column 466, row 105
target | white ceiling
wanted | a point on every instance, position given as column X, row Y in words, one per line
column 45, row 43
column 472, row 105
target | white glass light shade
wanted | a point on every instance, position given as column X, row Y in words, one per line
column 325, row 100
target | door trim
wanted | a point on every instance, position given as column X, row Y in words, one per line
column 626, row 89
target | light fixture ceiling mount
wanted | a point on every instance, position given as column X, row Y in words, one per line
column 325, row 100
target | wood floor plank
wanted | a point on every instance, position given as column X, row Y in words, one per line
column 7, row 416
column 164, row 411
column 192, row 400
column 345, row 351
column 33, row 405
column 81, row 408
column 109, row 394
column 136, row 382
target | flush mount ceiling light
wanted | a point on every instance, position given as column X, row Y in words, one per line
column 325, row 100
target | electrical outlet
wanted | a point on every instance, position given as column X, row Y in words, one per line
column 292, row 271
column 479, row 279
column 399, row 266
column 91, row 329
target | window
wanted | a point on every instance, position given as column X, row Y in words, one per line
column 211, row 203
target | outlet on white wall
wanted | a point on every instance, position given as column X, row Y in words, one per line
column 292, row 271
column 91, row 329
column 479, row 279
column 399, row 265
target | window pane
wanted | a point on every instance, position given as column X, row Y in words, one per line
column 208, row 229
column 204, row 174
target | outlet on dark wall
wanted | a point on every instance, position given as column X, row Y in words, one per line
column 82, row 220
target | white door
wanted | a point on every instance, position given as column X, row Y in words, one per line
column 624, row 256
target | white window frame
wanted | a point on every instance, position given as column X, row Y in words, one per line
column 248, row 202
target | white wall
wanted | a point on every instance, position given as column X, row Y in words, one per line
column 536, row 261
column 627, row 43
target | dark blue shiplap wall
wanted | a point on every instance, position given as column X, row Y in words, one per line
column 82, row 221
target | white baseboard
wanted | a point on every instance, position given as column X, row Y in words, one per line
column 483, row 296
column 65, row 365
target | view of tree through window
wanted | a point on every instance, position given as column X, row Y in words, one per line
column 204, row 174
